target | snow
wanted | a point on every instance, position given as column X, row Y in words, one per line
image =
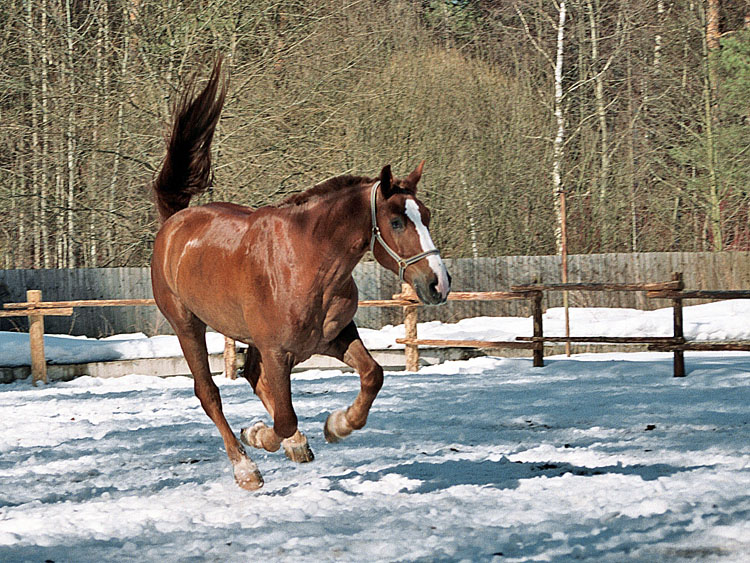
column 598, row 457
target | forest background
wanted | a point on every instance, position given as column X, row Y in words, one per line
column 638, row 111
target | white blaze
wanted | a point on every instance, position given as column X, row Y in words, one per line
column 434, row 260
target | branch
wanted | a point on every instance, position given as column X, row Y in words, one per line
column 148, row 166
column 531, row 38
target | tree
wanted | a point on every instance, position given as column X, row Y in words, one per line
column 644, row 125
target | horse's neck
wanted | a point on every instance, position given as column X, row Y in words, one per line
column 344, row 222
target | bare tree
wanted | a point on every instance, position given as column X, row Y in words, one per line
column 640, row 120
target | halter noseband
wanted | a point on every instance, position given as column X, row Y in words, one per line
column 403, row 263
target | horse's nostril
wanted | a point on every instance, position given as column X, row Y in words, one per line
column 434, row 288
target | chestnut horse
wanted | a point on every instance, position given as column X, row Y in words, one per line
column 279, row 278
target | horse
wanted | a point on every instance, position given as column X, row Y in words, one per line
column 279, row 277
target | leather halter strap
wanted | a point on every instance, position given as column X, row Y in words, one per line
column 403, row 263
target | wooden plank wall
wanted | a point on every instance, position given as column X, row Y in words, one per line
column 703, row 270
column 86, row 283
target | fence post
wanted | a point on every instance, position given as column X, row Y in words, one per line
column 36, row 339
column 538, row 352
column 230, row 358
column 411, row 317
column 679, row 355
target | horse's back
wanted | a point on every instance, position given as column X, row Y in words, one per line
column 195, row 227
column 227, row 208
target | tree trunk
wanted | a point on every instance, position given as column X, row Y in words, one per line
column 714, row 201
column 712, row 25
column 36, row 159
column 20, row 213
column 101, row 74
column 70, row 144
column 558, row 144
column 129, row 15
column 657, row 37
column 47, row 50
column 470, row 212
column 631, row 151
column 601, row 111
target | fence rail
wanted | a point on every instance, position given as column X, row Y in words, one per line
column 672, row 290
column 36, row 309
column 80, row 303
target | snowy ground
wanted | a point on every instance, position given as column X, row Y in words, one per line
column 597, row 457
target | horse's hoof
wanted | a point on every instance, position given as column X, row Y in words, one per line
column 336, row 427
column 247, row 475
column 297, row 449
column 249, row 436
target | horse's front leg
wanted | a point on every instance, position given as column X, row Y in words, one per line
column 348, row 348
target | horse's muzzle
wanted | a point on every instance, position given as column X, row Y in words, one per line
column 430, row 291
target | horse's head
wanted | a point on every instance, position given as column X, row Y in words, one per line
column 401, row 239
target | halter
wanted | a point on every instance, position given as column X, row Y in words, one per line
column 403, row 263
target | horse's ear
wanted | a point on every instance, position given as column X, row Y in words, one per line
column 413, row 178
column 386, row 181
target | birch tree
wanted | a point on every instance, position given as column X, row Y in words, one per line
column 637, row 111
column 559, row 142
column 69, row 258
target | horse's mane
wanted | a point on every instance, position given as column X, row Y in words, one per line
column 330, row 186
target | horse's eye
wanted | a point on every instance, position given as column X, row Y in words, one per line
column 397, row 224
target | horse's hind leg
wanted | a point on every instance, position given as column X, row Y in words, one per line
column 296, row 447
column 191, row 333
column 349, row 348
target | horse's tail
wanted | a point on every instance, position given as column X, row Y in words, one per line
column 186, row 170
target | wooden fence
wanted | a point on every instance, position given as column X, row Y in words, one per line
column 702, row 271
column 672, row 290
column 35, row 310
